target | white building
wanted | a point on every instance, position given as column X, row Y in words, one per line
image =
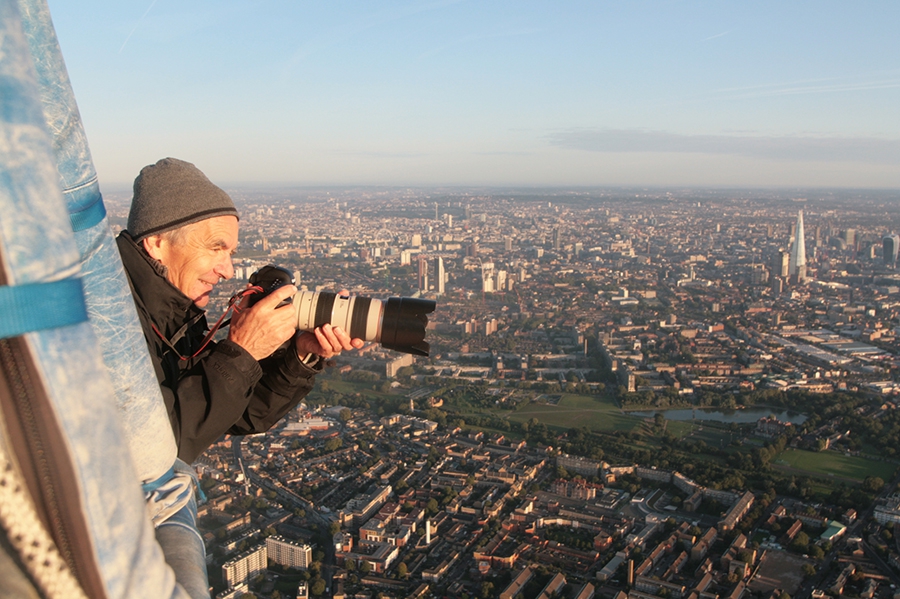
column 289, row 553
column 245, row 566
column 440, row 276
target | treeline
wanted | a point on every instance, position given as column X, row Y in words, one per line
column 732, row 467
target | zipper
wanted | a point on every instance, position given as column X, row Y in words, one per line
column 39, row 446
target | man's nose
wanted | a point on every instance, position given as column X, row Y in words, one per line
column 225, row 268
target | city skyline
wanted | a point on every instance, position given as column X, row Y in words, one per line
column 609, row 377
column 462, row 93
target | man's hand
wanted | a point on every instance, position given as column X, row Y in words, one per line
column 327, row 341
column 263, row 328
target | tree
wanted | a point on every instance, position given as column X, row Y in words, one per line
column 315, row 567
column 365, row 567
column 402, row 570
column 317, row 587
column 873, row 484
column 345, row 414
column 334, row 528
column 431, row 508
column 800, row 542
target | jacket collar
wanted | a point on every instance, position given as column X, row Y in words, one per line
column 167, row 306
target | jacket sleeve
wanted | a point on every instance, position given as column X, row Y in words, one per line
column 227, row 391
column 285, row 381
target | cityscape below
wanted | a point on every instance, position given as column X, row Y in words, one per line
column 629, row 394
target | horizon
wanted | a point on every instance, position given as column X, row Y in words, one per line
column 250, row 186
column 453, row 93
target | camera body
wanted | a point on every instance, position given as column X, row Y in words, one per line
column 397, row 323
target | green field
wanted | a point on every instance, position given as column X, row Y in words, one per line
column 599, row 413
column 833, row 465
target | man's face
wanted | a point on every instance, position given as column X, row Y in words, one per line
column 199, row 257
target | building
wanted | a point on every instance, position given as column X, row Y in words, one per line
column 518, row 584
column 392, row 367
column 781, row 264
column 289, row 553
column 889, row 511
column 423, row 273
column 439, row 276
column 487, row 277
column 737, row 511
column 578, row 465
column 798, row 253
column 245, row 566
column 554, row 587
column 889, row 246
column 585, row 592
column 362, row 507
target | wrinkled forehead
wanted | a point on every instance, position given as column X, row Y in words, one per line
column 220, row 232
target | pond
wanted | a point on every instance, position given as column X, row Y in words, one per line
column 744, row 416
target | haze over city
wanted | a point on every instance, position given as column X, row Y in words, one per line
column 491, row 93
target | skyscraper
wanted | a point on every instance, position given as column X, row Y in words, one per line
column 487, row 277
column 890, row 245
column 423, row 273
column 798, row 253
column 439, row 277
column 781, row 264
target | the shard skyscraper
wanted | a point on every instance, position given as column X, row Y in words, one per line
column 798, row 253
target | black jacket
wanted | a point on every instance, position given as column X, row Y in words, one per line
column 223, row 389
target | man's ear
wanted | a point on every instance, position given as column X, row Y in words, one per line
column 154, row 245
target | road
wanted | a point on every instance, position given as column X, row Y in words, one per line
column 292, row 501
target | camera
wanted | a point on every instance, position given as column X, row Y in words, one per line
column 396, row 323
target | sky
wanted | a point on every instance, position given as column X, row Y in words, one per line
column 491, row 93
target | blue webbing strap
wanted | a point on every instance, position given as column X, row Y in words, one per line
column 153, row 485
column 40, row 306
column 88, row 217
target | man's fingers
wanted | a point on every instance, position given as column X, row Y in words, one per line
column 343, row 338
column 333, row 340
column 278, row 296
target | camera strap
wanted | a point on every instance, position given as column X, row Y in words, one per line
column 222, row 322
column 40, row 306
column 178, row 335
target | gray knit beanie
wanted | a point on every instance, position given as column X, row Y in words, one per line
column 173, row 193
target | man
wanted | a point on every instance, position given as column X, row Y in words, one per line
column 182, row 231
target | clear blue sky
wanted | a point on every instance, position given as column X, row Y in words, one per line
column 484, row 92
